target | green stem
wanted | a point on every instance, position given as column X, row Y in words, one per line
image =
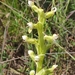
column 39, row 65
column 41, row 46
column 41, row 41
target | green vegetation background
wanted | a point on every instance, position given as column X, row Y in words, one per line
column 14, row 16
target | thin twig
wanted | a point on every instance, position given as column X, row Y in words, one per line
column 65, row 50
column 28, row 56
column 11, row 60
column 53, row 53
column 71, row 13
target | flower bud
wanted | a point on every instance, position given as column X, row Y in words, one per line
column 30, row 24
column 24, row 37
column 54, row 9
column 54, row 66
column 32, row 72
column 37, row 58
column 52, row 38
column 55, row 36
column 50, row 13
column 48, row 38
column 30, row 3
column 30, row 52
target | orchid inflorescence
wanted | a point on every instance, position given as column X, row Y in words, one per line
column 43, row 43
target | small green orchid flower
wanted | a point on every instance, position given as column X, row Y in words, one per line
column 50, row 13
column 29, row 40
column 32, row 55
column 52, row 38
column 30, row 24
